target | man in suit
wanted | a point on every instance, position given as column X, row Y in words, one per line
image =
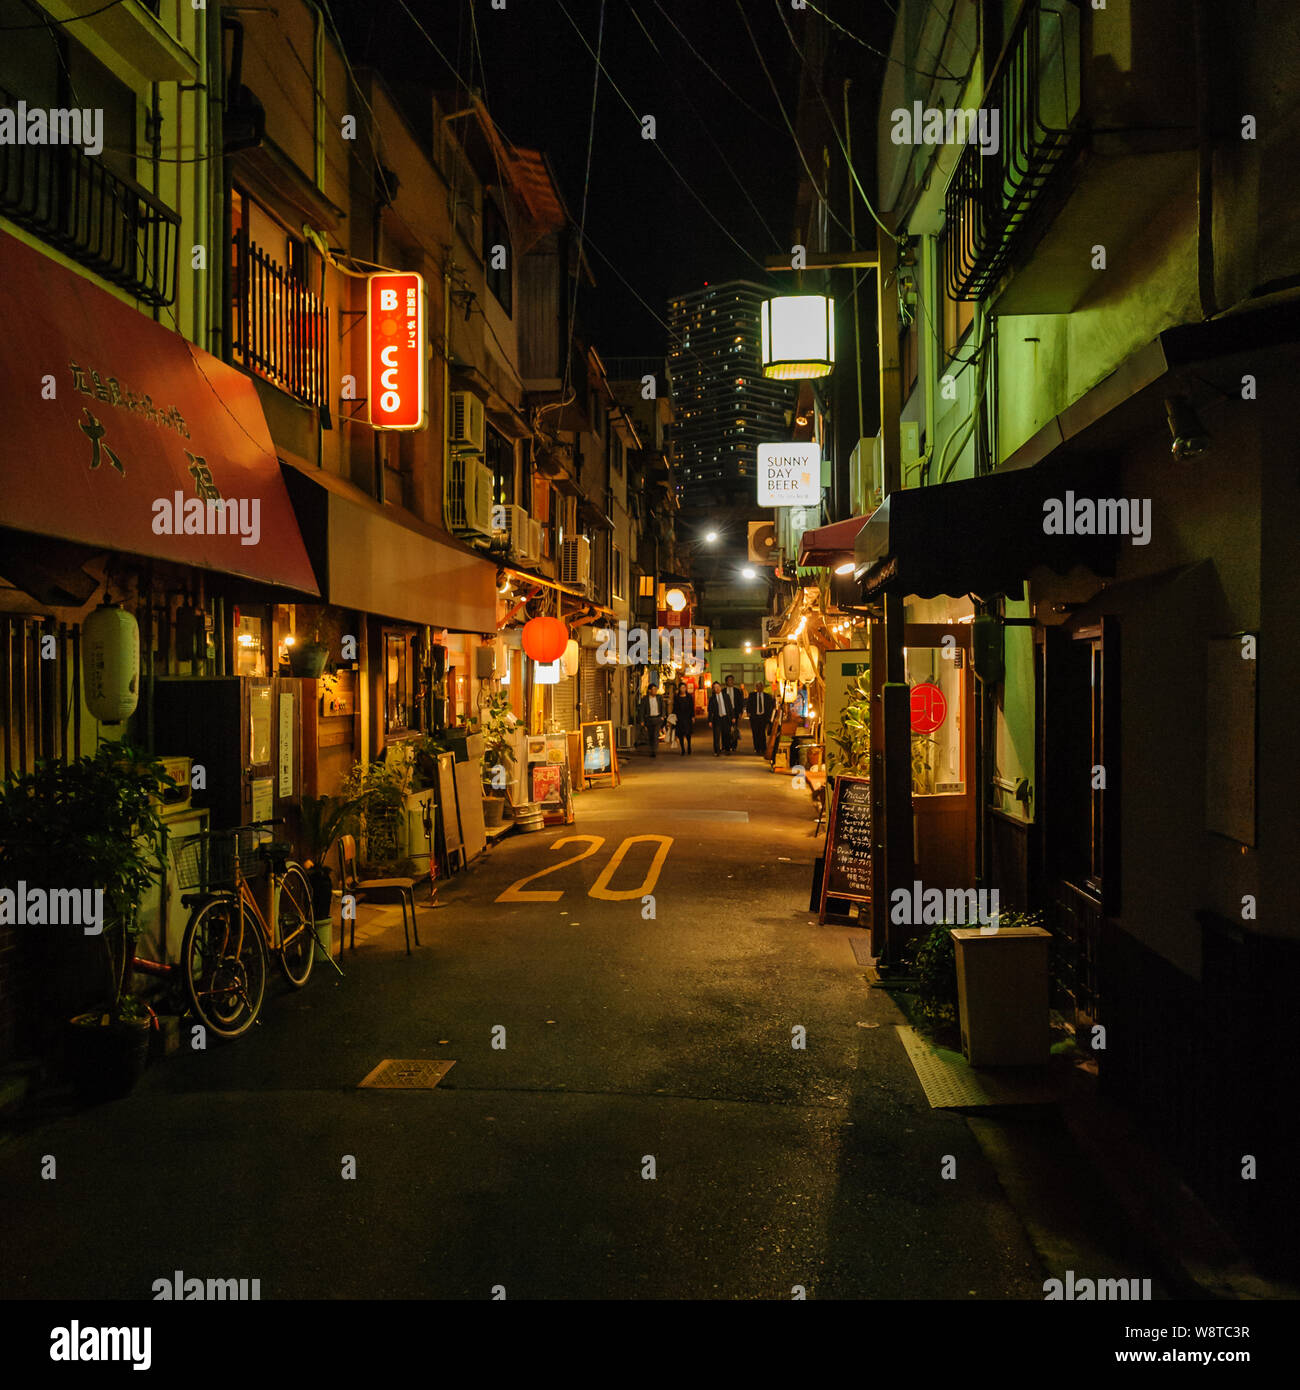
column 736, row 706
column 720, row 716
column 760, row 713
column 653, row 712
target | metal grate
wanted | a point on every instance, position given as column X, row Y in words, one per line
column 397, row 1074
column 861, row 946
column 951, row 1083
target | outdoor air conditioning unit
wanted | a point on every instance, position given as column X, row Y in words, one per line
column 469, row 495
column 518, row 528
column 536, row 540
column 623, row 735
column 466, row 422
column 575, row 561
column 763, row 549
column 866, row 480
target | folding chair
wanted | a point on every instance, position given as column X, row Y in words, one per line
column 404, row 888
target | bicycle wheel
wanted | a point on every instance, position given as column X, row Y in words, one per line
column 297, row 939
column 224, row 972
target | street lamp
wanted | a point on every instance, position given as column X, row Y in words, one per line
column 710, row 536
column 798, row 336
column 747, row 572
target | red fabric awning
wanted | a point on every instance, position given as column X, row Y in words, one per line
column 830, row 544
column 119, row 433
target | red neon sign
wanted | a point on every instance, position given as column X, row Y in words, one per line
column 929, row 708
column 396, row 350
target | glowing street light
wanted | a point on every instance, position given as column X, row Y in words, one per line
column 710, row 536
column 747, row 572
column 798, row 336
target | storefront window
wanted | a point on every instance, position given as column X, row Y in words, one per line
column 938, row 717
column 398, row 714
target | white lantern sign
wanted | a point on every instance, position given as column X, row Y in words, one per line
column 789, row 475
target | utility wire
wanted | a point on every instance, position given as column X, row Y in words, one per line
column 880, row 52
column 704, row 125
column 753, row 110
column 686, row 183
column 50, row 20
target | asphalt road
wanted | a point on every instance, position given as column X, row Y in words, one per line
column 633, row 1044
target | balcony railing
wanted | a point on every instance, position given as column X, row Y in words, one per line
column 280, row 328
column 1035, row 91
column 100, row 219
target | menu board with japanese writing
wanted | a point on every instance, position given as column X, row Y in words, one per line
column 847, row 872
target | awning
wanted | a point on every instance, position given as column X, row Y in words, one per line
column 377, row 560
column 120, row 434
column 983, row 535
column 828, row 544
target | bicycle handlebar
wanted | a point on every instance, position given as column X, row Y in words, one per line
column 253, row 825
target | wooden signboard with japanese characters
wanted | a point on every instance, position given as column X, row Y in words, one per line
column 847, row 871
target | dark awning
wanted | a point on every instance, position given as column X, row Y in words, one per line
column 983, row 535
column 122, row 435
column 827, row 544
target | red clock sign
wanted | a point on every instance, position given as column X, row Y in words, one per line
column 396, row 350
column 929, row 708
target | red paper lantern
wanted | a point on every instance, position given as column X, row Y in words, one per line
column 544, row 639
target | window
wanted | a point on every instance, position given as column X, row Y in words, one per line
column 279, row 328
column 499, row 455
column 620, row 570
column 497, row 256
column 400, row 714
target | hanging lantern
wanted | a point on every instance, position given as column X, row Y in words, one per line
column 110, row 659
column 544, row 639
column 798, row 336
column 807, row 671
column 790, row 661
column 769, row 670
column 571, row 658
column 675, row 599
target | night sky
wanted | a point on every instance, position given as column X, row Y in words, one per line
column 535, row 73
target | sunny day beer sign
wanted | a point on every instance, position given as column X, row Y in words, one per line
column 789, row 475
column 397, row 351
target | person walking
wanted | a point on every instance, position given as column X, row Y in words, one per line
column 735, row 708
column 652, row 714
column 720, row 718
column 760, row 713
column 684, row 709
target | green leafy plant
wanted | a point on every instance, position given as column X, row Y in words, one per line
column 95, row 820
column 923, row 746
column 853, row 735
column 378, row 790
column 498, row 723
column 324, row 819
column 931, row 958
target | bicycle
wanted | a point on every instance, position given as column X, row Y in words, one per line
column 226, row 940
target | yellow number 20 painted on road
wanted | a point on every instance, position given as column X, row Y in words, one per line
column 599, row 889
column 513, row 893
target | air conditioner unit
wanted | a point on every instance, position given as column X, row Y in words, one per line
column 763, row 548
column 623, row 737
column 469, row 495
column 519, row 533
column 866, row 480
column 536, row 540
column 466, row 423
column 575, row 561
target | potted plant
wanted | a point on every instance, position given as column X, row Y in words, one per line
column 94, row 821
column 324, row 819
column 379, row 790
column 498, row 739
column 308, row 658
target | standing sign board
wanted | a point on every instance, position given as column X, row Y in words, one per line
column 599, row 757
column 847, row 872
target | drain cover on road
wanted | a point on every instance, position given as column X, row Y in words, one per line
column 951, row 1083
column 396, row 1074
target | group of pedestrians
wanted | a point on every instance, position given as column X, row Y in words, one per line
column 726, row 705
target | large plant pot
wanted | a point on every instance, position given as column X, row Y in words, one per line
column 308, row 659
column 494, row 809
column 106, row 1060
column 322, row 890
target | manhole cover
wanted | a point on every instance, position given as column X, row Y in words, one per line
column 397, row 1074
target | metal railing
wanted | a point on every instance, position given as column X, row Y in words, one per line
column 1035, row 92
column 103, row 220
column 281, row 329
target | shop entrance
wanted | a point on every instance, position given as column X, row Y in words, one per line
column 937, row 666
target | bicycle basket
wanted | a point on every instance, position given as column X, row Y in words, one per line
column 207, row 861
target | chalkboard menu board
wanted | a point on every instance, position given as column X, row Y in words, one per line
column 847, row 873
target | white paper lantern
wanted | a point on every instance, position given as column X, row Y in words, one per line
column 807, row 671
column 790, row 661
column 110, row 663
column 769, row 670
column 798, row 336
column 570, row 658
